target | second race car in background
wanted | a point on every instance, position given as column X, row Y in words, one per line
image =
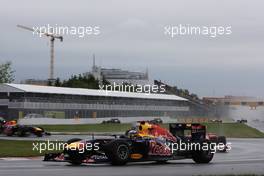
column 220, row 142
column 11, row 128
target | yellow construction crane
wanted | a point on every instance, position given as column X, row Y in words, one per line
column 52, row 38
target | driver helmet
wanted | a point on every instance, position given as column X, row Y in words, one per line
column 132, row 133
column 2, row 120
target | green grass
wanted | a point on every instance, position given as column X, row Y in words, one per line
column 234, row 130
column 13, row 148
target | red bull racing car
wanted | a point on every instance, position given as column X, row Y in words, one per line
column 11, row 128
column 146, row 142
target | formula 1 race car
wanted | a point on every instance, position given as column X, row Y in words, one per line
column 149, row 142
column 220, row 142
column 157, row 121
column 111, row 121
column 11, row 128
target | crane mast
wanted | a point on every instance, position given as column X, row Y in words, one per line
column 52, row 40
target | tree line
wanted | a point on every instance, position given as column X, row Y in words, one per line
column 6, row 72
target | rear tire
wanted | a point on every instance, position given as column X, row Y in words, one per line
column 9, row 133
column 203, row 156
column 222, row 140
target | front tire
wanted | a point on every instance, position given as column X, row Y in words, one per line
column 118, row 153
column 75, row 158
column 40, row 133
column 73, row 140
column 76, row 163
column 162, row 162
column 21, row 133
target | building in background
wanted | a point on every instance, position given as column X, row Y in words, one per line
column 19, row 100
column 119, row 76
column 230, row 100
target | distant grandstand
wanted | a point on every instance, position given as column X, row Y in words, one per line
column 18, row 100
column 119, row 76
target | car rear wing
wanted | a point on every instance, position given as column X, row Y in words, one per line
column 196, row 130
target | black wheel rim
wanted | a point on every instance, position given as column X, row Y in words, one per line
column 122, row 152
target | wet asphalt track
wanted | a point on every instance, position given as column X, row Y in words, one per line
column 246, row 157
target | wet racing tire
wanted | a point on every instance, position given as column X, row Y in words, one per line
column 21, row 133
column 9, row 132
column 162, row 162
column 74, row 157
column 222, row 140
column 202, row 156
column 40, row 133
column 118, row 152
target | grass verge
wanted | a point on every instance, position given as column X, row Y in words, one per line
column 234, row 130
column 88, row 128
column 15, row 148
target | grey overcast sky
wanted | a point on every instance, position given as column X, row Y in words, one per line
column 132, row 37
